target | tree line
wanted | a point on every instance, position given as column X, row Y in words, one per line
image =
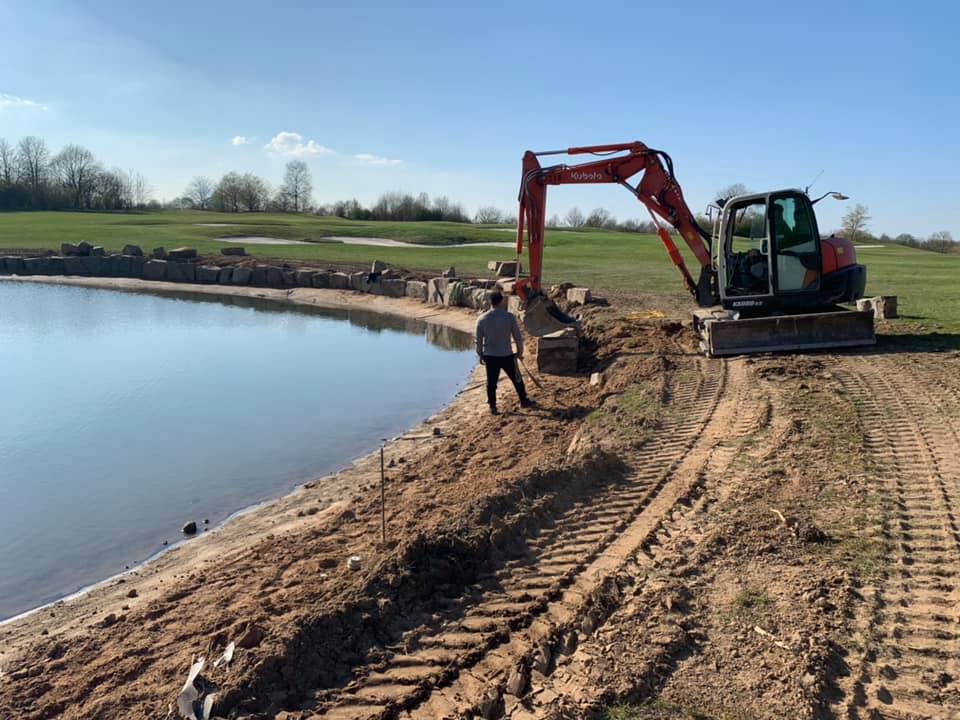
column 33, row 178
column 855, row 226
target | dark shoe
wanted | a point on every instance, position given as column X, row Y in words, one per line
column 493, row 410
column 527, row 403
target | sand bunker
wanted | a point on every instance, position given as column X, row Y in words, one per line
column 384, row 242
column 256, row 240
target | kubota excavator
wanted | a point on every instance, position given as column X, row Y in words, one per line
column 767, row 280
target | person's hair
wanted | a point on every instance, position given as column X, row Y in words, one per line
column 496, row 297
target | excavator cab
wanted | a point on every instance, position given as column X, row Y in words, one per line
column 768, row 256
column 780, row 284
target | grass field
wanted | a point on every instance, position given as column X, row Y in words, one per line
column 925, row 282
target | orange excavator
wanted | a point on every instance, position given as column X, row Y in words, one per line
column 767, row 280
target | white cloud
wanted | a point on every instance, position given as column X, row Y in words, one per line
column 291, row 143
column 377, row 160
column 14, row 101
column 240, row 140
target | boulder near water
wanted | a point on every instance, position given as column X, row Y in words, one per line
column 190, row 528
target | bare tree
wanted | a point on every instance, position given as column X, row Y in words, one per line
column 8, row 163
column 855, row 221
column 32, row 162
column 725, row 193
column 200, row 191
column 553, row 221
column 574, row 218
column 488, row 215
column 77, row 170
column 297, row 185
column 140, row 189
column 599, row 217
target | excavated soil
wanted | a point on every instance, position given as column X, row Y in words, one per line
column 768, row 537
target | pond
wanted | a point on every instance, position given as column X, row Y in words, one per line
column 125, row 415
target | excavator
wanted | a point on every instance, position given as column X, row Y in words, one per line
column 767, row 280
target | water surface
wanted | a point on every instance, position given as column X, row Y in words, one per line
column 123, row 415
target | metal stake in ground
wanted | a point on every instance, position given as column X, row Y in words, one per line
column 383, row 496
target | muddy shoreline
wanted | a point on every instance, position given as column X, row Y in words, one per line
column 249, row 525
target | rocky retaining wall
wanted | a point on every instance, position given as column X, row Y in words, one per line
column 182, row 265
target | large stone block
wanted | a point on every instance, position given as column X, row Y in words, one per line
column 304, row 278
column 84, row 248
column 436, row 287
column 95, row 265
column 181, row 272
column 56, row 266
column 136, row 265
column 481, row 299
column 117, row 265
column 378, row 266
column 321, row 279
column 155, row 270
column 394, row 288
column 258, row 276
column 416, row 289
column 885, row 307
column 15, row 266
column 182, row 253
column 557, row 352
column 73, row 265
column 579, row 295
column 275, row 276
column 225, row 277
column 453, row 295
column 508, row 269
column 359, row 282
column 159, row 253
column 339, row 281
column 507, row 287
column 98, row 251
column 69, row 249
column 241, row 276
column 290, row 278
column 36, row 266
column 233, row 251
column 133, row 250
column 208, row 274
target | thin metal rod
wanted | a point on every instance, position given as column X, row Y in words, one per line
column 383, row 501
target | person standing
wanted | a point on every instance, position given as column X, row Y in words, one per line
column 495, row 329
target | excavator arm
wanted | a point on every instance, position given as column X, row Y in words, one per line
column 658, row 190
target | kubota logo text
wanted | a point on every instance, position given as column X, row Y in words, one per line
column 595, row 175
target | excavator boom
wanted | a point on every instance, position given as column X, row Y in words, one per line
column 658, row 190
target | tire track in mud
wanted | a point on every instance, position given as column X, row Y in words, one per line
column 514, row 620
column 910, row 665
column 572, row 688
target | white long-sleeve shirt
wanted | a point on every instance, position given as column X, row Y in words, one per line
column 495, row 328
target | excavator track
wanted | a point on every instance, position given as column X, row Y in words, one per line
column 483, row 649
column 909, row 664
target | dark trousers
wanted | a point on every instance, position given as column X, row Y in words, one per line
column 507, row 363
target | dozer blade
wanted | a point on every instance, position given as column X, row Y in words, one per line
column 542, row 317
column 720, row 334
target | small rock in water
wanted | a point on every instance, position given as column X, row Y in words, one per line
column 190, row 528
column 206, row 521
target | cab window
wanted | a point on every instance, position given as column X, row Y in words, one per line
column 747, row 261
column 798, row 259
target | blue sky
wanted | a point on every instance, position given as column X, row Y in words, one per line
column 445, row 97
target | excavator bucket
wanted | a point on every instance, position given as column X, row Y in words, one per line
column 723, row 333
column 542, row 317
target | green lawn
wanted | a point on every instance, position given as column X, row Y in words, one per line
column 925, row 282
